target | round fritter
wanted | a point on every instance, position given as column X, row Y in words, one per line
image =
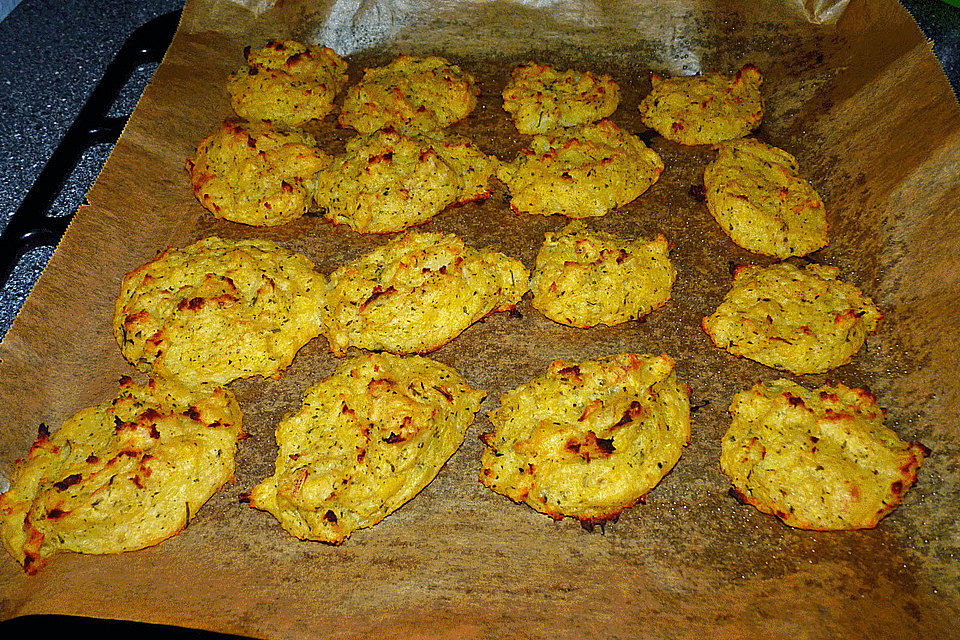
column 218, row 310
column 423, row 94
column 255, row 174
column 757, row 195
column 584, row 278
column 366, row 440
column 287, row 83
column 800, row 320
column 388, row 181
column 124, row 475
column 417, row 293
column 588, row 440
column 541, row 99
column 704, row 109
column 819, row 459
column 580, row 172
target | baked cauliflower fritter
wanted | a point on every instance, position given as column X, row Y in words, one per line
column 799, row 320
column 420, row 94
column 542, row 99
column 123, row 475
column 580, row 172
column 704, row 109
column 418, row 292
column 254, row 174
column 288, row 83
column 588, row 439
column 584, row 278
column 366, row 440
column 388, row 181
column 218, row 310
column 819, row 459
column 756, row 193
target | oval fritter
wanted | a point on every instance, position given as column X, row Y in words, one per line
column 584, row 278
column 218, row 310
column 580, row 172
column 800, row 320
column 541, row 99
column 123, row 475
column 588, row 439
column 388, row 181
column 755, row 192
column 418, row 292
column 819, row 459
column 366, row 440
column 423, row 94
column 287, row 82
column 704, row 109
column 255, row 174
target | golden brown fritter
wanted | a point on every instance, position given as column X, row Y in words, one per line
column 584, row 278
column 288, row 83
column 254, row 174
column 418, row 292
column 800, row 320
column 580, row 172
column 123, row 475
column 388, row 181
column 420, row 94
column 366, row 440
column 704, row 109
column 218, row 310
column 588, row 439
column 542, row 99
column 819, row 459
column 757, row 195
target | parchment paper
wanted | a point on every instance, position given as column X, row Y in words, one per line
column 853, row 90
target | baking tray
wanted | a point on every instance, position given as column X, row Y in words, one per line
column 515, row 517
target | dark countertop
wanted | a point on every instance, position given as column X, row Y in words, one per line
column 54, row 52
